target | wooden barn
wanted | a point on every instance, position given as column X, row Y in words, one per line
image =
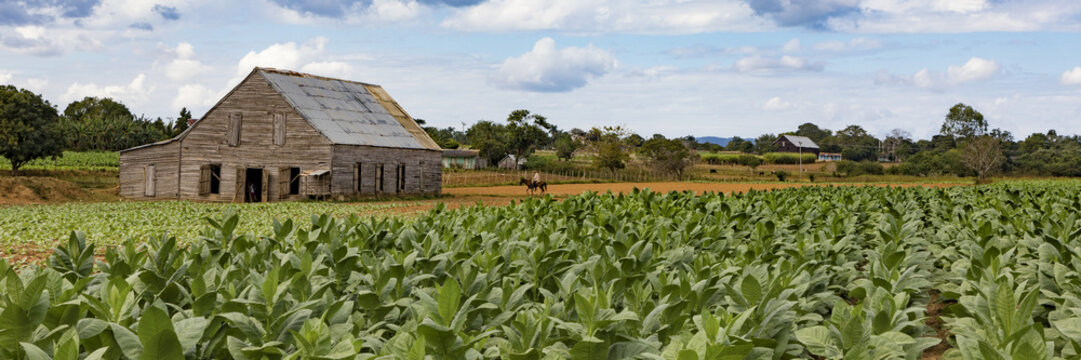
column 796, row 144
column 283, row 135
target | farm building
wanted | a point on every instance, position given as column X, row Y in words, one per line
column 462, row 159
column 829, row 156
column 282, row 135
column 796, row 144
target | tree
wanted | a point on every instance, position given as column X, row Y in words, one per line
column 670, row 156
column 92, row 107
column 813, row 132
column 29, row 127
column 565, row 146
column 635, row 140
column 855, row 144
column 490, row 139
column 182, row 121
column 738, row 144
column 750, row 161
column 610, row 147
column 983, row 155
column 963, row 122
column 526, row 132
column 765, row 143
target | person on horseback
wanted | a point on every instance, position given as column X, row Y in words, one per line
column 536, row 178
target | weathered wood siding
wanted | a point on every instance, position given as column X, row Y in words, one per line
column 133, row 165
column 257, row 103
column 423, row 170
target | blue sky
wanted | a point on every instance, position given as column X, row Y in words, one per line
column 675, row 67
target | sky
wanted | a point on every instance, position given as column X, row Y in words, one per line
column 673, row 67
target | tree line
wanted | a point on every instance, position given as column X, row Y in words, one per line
column 31, row 127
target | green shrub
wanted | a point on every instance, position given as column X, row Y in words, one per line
column 852, row 168
column 781, row 175
column 721, row 159
column 788, row 158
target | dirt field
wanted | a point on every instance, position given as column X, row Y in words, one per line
column 574, row 189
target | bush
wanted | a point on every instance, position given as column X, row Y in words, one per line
column 852, row 168
column 781, row 175
column 788, row 158
column 722, row 159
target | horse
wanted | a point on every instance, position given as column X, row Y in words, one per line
column 534, row 186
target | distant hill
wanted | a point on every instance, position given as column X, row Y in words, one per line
column 722, row 141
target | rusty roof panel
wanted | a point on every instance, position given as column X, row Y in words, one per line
column 348, row 112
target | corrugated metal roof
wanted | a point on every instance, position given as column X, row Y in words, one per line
column 347, row 112
column 801, row 141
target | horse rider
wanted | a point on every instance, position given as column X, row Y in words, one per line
column 536, row 178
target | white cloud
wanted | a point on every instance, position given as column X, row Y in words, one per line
column 134, row 92
column 185, row 66
column 195, row 96
column 760, row 64
column 777, row 104
column 335, row 69
column 792, row 45
column 657, row 16
column 860, row 43
column 1072, row 77
column 548, row 69
column 287, row 56
column 975, row 69
column 5, row 76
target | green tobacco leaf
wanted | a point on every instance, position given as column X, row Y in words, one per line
column 751, row 289
column 34, row 353
column 158, row 337
column 585, row 350
column 449, row 299
column 129, row 342
column 819, row 341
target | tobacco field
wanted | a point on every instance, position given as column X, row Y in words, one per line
column 803, row 273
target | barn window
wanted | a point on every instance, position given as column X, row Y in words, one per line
column 149, row 181
column 378, row 178
column 234, row 129
column 210, row 179
column 215, row 178
column 401, row 177
column 279, row 129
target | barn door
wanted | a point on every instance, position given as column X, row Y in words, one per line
column 283, row 183
column 241, row 179
column 150, row 188
column 266, row 186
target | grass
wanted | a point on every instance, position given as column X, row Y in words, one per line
column 114, row 222
column 72, row 160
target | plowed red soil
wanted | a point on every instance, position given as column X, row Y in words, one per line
column 574, row 189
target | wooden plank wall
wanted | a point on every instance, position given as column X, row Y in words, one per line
column 257, row 102
column 345, row 156
column 134, row 162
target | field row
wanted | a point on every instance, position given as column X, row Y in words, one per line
column 807, row 273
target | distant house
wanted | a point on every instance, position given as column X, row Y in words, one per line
column 829, row 156
column 462, row 159
column 796, row 144
column 510, row 162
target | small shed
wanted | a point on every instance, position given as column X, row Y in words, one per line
column 462, row 159
column 282, row 135
column 511, row 162
column 796, row 144
column 829, row 156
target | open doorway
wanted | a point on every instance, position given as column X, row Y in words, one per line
column 253, row 185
